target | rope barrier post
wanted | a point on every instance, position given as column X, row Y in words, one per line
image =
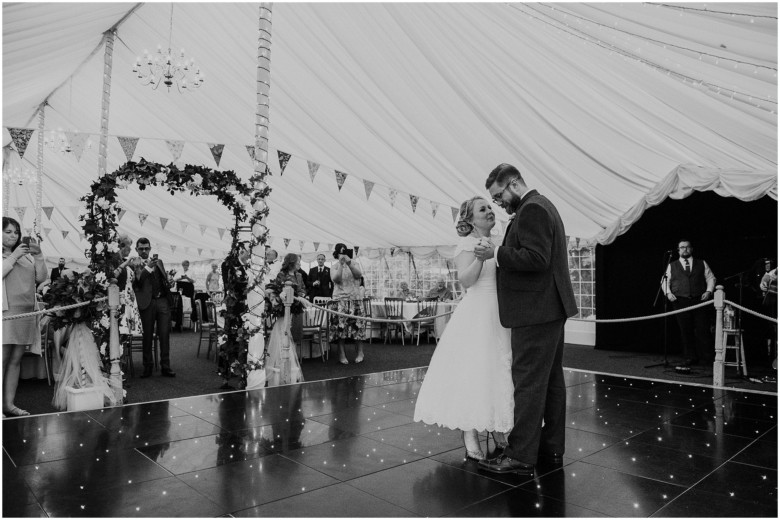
column 113, row 344
column 718, row 370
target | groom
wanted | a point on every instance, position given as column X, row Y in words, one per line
column 535, row 297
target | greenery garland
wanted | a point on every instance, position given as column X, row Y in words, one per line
column 100, row 214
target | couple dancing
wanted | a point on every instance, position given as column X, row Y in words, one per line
column 498, row 366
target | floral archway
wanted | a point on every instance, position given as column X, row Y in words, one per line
column 100, row 215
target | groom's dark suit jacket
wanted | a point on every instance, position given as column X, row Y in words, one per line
column 533, row 273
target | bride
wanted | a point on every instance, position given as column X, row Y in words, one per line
column 468, row 385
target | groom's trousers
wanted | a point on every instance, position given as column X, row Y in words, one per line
column 540, row 391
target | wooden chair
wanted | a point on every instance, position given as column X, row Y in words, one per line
column 371, row 326
column 314, row 330
column 135, row 343
column 426, row 307
column 47, row 344
column 209, row 329
column 394, row 310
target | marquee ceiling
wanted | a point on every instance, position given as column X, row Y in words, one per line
column 595, row 103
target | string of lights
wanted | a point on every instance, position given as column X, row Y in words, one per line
column 705, row 10
column 659, row 42
column 746, row 98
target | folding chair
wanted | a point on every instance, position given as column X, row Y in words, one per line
column 313, row 329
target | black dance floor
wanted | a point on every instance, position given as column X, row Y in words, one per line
column 349, row 448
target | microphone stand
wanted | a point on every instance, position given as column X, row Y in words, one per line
column 664, row 283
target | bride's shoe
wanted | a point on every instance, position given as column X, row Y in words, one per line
column 475, row 455
column 500, row 439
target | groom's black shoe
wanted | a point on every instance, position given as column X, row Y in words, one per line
column 551, row 459
column 504, row 465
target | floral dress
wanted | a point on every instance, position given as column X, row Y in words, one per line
column 346, row 299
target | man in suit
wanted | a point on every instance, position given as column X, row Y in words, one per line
column 153, row 295
column 690, row 282
column 535, row 298
column 57, row 271
column 319, row 283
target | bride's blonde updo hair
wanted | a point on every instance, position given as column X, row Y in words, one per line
column 464, row 227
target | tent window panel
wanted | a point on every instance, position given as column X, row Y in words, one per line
column 582, row 269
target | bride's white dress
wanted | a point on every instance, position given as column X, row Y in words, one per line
column 469, row 380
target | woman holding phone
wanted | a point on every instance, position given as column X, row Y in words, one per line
column 23, row 270
column 346, row 275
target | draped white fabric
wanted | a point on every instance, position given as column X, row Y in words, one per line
column 595, row 103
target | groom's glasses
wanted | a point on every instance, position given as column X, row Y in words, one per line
column 498, row 198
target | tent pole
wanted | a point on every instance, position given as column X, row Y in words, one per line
column 39, row 187
column 256, row 346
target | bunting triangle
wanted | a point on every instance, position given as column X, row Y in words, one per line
column 284, row 158
column 65, row 233
column 173, row 249
column 200, row 250
column 286, row 243
column 392, row 192
column 175, row 147
column 300, row 243
column 454, row 214
column 46, row 231
column 413, row 199
column 434, row 208
column 216, row 152
column 330, row 247
column 47, row 210
column 76, row 141
column 316, row 246
column 221, row 232
column 120, row 215
column 128, row 145
column 202, row 230
column 269, row 240
column 20, row 210
column 369, row 185
column 313, row 167
column 163, row 222
column 183, row 226
column 340, row 178
column 251, row 151
column 357, row 249
column 142, row 218
column 212, row 253
column 21, row 137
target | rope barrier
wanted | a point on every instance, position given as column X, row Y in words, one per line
column 377, row 320
column 54, row 310
column 651, row 317
column 754, row 313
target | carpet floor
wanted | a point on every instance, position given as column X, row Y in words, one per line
column 197, row 375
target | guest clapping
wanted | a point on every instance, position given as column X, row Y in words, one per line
column 23, row 270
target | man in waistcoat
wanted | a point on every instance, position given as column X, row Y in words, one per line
column 690, row 281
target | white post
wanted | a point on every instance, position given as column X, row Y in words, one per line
column 718, row 370
column 37, row 227
column 113, row 343
column 106, row 101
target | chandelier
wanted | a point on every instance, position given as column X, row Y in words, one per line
column 167, row 69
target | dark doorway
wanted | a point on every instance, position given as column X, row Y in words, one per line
column 734, row 237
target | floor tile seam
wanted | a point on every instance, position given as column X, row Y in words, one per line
column 731, row 434
column 200, row 494
column 752, row 465
column 709, row 493
column 349, row 483
column 663, row 448
column 16, row 466
column 747, row 446
column 351, row 478
column 762, row 392
column 682, row 486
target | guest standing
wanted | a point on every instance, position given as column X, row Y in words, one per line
column 345, row 275
column 690, row 282
column 57, row 271
column 212, row 280
column 23, row 270
column 290, row 272
column 153, row 295
column 320, row 283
